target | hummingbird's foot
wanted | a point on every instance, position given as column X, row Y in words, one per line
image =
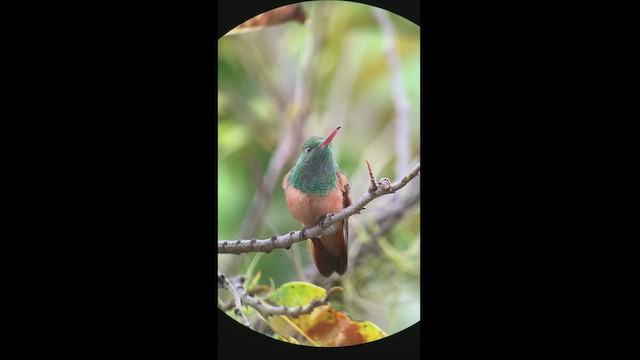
column 303, row 236
column 321, row 222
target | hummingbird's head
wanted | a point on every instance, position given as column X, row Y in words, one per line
column 315, row 170
column 317, row 149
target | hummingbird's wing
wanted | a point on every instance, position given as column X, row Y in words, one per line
column 285, row 179
column 346, row 201
column 342, row 261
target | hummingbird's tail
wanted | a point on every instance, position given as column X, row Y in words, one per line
column 325, row 261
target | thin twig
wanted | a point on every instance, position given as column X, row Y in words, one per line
column 374, row 185
column 383, row 187
column 401, row 104
column 224, row 281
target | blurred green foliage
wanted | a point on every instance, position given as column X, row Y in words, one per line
column 259, row 73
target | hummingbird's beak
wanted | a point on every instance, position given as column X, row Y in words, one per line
column 330, row 138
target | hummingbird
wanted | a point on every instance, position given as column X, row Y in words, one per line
column 315, row 187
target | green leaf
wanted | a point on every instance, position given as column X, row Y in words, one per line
column 296, row 293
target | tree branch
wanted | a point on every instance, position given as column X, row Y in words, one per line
column 383, row 187
column 234, row 285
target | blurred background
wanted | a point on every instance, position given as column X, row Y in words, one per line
column 341, row 64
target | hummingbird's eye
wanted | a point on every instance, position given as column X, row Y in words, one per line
column 308, row 149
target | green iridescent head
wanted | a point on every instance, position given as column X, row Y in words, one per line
column 315, row 171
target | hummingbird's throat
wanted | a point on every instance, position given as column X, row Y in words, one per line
column 315, row 178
